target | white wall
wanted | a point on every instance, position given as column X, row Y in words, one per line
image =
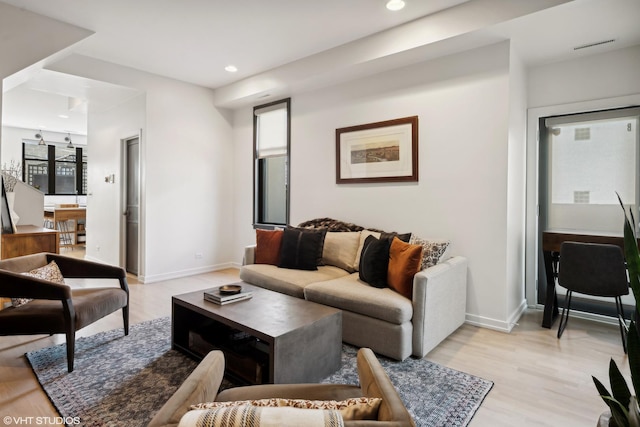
column 186, row 168
column 595, row 82
column 463, row 106
column 516, row 189
column 25, row 39
column 588, row 78
column 104, row 207
column 12, row 141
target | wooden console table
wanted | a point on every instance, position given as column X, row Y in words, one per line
column 30, row 239
column 551, row 242
column 60, row 216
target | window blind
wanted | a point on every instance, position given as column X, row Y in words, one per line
column 271, row 131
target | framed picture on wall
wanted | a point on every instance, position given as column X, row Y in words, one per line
column 378, row 152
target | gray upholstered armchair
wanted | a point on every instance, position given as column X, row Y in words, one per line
column 56, row 307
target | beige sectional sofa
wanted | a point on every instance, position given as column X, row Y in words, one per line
column 379, row 318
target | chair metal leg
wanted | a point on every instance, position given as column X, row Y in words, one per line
column 621, row 323
column 564, row 319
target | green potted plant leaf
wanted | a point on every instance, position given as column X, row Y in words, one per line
column 623, row 404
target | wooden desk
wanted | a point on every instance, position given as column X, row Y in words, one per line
column 60, row 216
column 551, row 242
column 30, row 239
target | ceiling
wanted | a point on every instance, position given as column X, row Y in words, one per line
column 193, row 40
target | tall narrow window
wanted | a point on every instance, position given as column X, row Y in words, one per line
column 591, row 157
column 271, row 137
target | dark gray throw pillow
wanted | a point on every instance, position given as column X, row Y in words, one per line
column 405, row 237
column 374, row 261
column 301, row 249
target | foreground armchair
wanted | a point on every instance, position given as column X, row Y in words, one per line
column 53, row 307
column 203, row 384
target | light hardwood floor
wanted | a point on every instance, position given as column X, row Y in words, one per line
column 538, row 379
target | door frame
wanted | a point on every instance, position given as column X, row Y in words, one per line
column 532, row 244
column 123, row 203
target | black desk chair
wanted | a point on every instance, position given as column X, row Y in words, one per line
column 593, row 269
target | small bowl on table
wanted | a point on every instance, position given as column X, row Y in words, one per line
column 230, row 289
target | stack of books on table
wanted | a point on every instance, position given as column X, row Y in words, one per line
column 215, row 296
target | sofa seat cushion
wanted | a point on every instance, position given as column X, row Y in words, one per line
column 351, row 294
column 285, row 280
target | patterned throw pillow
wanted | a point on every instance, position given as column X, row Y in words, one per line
column 357, row 408
column 214, row 405
column 49, row 272
column 432, row 250
column 252, row 416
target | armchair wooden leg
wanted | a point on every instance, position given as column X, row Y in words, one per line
column 125, row 319
column 70, row 323
column 71, row 346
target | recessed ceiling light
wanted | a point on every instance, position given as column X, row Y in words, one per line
column 231, row 68
column 395, row 4
column 63, row 116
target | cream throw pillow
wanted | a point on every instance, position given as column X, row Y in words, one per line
column 340, row 249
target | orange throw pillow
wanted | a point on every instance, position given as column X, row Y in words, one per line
column 268, row 246
column 404, row 263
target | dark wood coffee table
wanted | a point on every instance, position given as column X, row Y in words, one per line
column 269, row 338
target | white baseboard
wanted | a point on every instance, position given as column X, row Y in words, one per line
column 185, row 273
column 496, row 324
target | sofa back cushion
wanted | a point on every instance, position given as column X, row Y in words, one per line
column 268, row 244
column 340, row 249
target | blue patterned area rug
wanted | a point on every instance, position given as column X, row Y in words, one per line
column 436, row 396
column 124, row 381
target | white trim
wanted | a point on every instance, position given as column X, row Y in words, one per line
column 123, row 195
column 497, row 325
column 185, row 273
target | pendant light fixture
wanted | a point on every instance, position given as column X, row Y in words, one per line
column 68, row 139
column 41, row 139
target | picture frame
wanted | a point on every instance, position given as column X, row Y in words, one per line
column 378, row 152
